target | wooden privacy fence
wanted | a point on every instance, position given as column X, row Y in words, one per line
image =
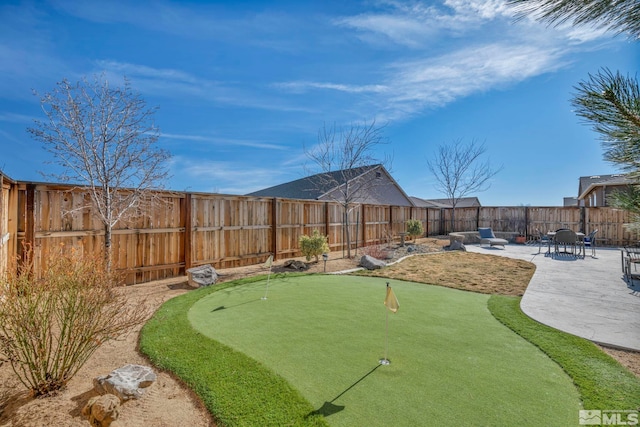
column 184, row 230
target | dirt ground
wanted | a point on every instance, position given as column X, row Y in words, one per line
column 167, row 403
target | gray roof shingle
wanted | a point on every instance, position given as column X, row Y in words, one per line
column 312, row 187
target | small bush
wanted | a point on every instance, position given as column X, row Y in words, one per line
column 414, row 228
column 50, row 326
column 314, row 245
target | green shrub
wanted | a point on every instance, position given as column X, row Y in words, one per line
column 414, row 228
column 314, row 245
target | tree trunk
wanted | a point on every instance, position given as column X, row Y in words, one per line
column 347, row 231
column 453, row 219
column 107, row 247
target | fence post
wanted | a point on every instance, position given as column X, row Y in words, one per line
column 363, row 224
column 29, row 220
column 583, row 220
column 327, row 224
column 188, row 230
column 426, row 225
column 274, row 228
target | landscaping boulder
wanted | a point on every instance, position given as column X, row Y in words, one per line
column 456, row 237
column 201, row 276
column 295, row 265
column 371, row 263
column 126, row 382
column 102, row 411
column 456, row 245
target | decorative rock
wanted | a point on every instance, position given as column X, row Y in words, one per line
column 102, row 410
column 456, row 246
column 371, row 263
column 456, row 237
column 126, row 382
column 295, row 264
column 202, row 276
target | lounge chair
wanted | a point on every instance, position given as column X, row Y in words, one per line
column 487, row 237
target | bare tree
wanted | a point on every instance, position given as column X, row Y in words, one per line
column 344, row 158
column 103, row 137
column 459, row 171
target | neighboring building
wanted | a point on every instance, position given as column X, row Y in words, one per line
column 593, row 191
column 570, row 201
column 463, row 202
column 378, row 187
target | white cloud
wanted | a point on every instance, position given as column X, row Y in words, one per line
column 224, row 141
column 416, row 24
column 148, row 72
column 473, row 69
column 401, row 23
column 304, row 86
column 419, row 25
column 412, row 86
column 480, row 9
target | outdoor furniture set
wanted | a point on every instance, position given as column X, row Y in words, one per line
column 564, row 241
column 568, row 242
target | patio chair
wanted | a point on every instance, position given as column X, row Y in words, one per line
column 590, row 242
column 543, row 239
column 567, row 239
column 631, row 260
column 487, row 237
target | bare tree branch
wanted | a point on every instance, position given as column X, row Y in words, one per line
column 458, row 171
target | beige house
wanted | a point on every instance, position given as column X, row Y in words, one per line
column 593, row 191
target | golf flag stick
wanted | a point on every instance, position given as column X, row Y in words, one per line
column 391, row 302
column 268, row 264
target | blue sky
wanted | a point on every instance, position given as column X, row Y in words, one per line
column 242, row 87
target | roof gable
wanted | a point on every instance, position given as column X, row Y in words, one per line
column 327, row 186
column 587, row 183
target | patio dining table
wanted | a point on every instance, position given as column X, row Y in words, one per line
column 580, row 235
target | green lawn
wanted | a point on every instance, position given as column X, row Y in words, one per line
column 452, row 362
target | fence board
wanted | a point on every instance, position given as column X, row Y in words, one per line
column 5, row 234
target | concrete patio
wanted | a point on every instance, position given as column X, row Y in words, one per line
column 586, row 297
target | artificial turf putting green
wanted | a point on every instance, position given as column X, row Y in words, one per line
column 451, row 361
